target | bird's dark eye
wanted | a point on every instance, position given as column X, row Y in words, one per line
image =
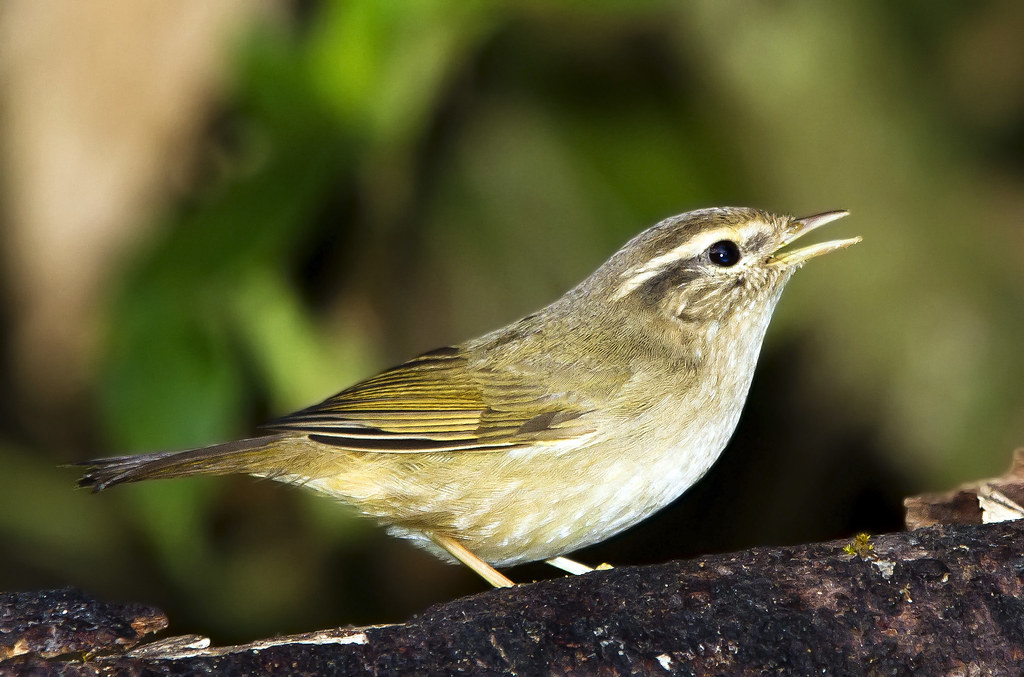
column 724, row 253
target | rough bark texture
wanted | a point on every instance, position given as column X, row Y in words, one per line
column 58, row 622
column 939, row 600
column 993, row 500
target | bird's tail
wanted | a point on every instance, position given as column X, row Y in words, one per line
column 266, row 456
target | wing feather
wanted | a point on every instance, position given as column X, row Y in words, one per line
column 440, row 402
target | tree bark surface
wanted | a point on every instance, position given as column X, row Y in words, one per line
column 938, row 600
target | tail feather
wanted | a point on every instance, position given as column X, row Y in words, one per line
column 242, row 456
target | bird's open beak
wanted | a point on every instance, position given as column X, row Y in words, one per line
column 800, row 227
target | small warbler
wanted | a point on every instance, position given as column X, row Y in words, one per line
column 558, row 430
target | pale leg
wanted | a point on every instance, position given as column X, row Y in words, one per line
column 575, row 568
column 459, row 552
column 571, row 566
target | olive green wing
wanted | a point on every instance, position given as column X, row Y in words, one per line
column 439, row 402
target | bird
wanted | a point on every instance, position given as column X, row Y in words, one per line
column 556, row 431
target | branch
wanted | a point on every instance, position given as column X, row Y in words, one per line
column 937, row 600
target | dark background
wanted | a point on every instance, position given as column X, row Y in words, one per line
column 216, row 213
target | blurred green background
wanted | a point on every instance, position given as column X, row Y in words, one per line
column 216, row 213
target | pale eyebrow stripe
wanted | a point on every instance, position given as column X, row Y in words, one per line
column 637, row 276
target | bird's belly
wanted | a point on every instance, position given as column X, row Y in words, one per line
column 595, row 499
column 512, row 507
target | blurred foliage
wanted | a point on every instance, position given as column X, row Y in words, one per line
column 388, row 177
